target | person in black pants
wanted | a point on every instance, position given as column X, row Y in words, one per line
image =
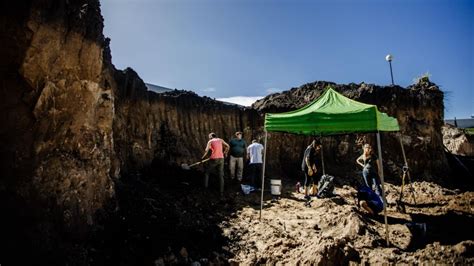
column 311, row 165
column 255, row 155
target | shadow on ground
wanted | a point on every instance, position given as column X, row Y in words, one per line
column 167, row 216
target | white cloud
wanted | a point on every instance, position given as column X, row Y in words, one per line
column 209, row 89
column 273, row 90
column 242, row 100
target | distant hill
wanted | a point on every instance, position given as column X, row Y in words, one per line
column 156, row 88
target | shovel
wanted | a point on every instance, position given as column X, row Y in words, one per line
column 400, row 203
column 185, row 166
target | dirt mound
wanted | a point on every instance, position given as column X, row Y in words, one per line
column 334, row 231
column 180, row 222
column 457, row 142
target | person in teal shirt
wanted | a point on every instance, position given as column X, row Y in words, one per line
column 237, row 154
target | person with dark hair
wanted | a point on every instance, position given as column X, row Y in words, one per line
column 370, row 164
column 237, row 153
column 311, row 166
column 218, row 149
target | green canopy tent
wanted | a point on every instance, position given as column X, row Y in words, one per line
column 332, row 114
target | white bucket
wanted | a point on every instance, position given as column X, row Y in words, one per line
column 275, row 185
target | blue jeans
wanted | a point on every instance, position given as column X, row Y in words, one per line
column 370, row 176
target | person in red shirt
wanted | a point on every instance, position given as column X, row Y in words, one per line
column 218, row 149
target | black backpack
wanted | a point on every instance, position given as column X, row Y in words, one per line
column 325, row 187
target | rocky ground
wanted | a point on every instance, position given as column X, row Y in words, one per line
column 178, row 222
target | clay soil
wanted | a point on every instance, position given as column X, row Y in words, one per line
column 178, row 222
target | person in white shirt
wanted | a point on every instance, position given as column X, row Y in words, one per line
column 255, row 155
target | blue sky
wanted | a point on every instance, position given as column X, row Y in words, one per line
column 227, row 48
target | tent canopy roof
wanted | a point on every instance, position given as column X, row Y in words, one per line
column 331, row 114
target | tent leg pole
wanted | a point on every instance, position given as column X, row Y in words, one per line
column 408, row 169
column 263, row 174
column 380, row 166
column 322, row 153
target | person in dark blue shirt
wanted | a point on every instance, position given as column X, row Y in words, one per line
column 369, row 200
column 237, row 154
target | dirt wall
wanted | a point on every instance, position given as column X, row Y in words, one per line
column 171, row 127
column 57, row 110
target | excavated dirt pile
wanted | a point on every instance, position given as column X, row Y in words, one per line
column 183, row 223
column 333, row 231
column 460, row 153
column 457, row 141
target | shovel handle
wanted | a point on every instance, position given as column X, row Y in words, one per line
column 205, row 160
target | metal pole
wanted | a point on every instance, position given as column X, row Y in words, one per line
column 322, row 155
column 263, row 174
column 380, row 166
column 391, row 73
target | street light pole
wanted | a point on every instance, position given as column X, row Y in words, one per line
column 389, row 58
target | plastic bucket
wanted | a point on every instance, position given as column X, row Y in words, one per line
column 275, row 185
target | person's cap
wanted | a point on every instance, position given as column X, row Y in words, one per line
column 366, row 145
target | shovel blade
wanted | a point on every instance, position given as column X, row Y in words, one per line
column 185, row 166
